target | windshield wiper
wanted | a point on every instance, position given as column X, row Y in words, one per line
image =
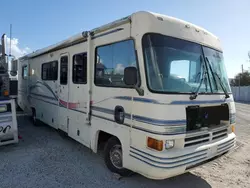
column 196, row 93
column 220, row 82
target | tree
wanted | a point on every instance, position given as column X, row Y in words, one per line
column 241, row 78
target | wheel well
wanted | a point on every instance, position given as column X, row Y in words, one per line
column 103, row 138
column 33, row 109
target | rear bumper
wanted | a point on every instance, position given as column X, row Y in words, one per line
column 177, row 162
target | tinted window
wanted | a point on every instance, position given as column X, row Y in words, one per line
column 64, row 70
column 111, row 60
column 80, row 68
column 49, row 70
column 25, row 71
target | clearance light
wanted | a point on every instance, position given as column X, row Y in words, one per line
column 155, row 144
column 169, row 144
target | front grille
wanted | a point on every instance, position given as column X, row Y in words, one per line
column 219, row 134
column 198, row 138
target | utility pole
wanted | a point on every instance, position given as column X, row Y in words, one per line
column 10, row 39
column 242, row 70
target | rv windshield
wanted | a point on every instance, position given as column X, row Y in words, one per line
column 177, row 66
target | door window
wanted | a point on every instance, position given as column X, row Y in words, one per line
column 79, row 75
column 25, row 72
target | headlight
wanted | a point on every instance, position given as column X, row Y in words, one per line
column 3, row 108
column 169, row 144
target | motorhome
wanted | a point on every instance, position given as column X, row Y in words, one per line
column 8, row 93
column 153, row 88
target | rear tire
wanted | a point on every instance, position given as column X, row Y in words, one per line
column 113, row 157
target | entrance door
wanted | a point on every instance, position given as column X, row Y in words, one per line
column 63, row 93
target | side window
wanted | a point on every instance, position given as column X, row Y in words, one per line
column 79, row 75
column 25, row 71
column 64, row 70
column 111, row 60
column 45, row 71
column 49, row 70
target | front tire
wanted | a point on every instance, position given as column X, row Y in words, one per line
column 113, row 157
column 34, row 119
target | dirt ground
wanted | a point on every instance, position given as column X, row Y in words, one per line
column 42, row 158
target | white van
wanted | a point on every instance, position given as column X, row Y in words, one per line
column 153, row 87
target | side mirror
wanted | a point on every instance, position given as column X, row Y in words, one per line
column 130, row 79
column 13, row 67
column 130, row 76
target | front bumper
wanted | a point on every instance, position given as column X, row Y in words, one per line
column 176, row 162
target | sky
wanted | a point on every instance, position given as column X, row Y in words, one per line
column 37, row 24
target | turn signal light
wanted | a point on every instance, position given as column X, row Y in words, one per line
column 155, row 144
column 233, row 128
column 5, row 93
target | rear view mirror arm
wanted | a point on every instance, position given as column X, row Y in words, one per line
column 139, row 90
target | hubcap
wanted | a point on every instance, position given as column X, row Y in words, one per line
column 116, row 156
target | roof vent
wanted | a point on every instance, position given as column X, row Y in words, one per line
column 160, row 18
column 85, row 34
column 205, row 32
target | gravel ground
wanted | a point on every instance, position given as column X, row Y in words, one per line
column 42, row 158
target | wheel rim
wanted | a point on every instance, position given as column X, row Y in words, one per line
column 116, row 156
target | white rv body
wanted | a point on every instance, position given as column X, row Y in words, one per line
column 84, row 110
